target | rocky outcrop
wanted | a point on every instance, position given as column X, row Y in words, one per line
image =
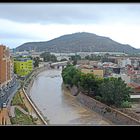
column 74, row 91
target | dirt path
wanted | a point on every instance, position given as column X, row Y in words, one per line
column 12, row 110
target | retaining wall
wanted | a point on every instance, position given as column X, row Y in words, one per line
column 115, row 116
column 34, row 74
column 35, row 108
column 27, row 91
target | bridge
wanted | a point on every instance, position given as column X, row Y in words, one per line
column 59, row 64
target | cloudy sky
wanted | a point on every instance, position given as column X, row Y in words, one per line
column 20, row 23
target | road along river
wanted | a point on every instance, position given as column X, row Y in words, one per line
column 58, row 105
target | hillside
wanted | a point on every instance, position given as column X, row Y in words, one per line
column 78, row 42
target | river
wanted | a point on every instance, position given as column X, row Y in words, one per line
column 58, row 105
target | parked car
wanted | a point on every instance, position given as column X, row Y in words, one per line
column 4, row 105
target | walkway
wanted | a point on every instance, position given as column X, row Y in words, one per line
column 12, row 110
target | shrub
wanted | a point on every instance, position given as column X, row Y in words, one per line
column 114, row 92
column 21, row 118
column 99, row 98
column 126, row 104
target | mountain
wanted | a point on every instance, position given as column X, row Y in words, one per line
column 138, row 50
column 78, row 42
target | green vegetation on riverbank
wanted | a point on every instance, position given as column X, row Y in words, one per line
column 47, row 57
column 21, row 118
column 111, row 91
column 17, row 100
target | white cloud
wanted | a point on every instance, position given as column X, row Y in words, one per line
column 42, row 22
column 17, row 33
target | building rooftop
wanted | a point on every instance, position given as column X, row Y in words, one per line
column 134, row 85
column 23, row 59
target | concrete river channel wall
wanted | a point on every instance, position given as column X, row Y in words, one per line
column 115, row 116
column 26, row 91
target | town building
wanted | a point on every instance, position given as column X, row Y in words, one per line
column 6, row 67
column 83, row 62
column 135, row 88
column 23, row 66
column 35, row 54
column 96, row 72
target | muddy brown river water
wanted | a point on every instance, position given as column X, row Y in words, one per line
column 58, row 105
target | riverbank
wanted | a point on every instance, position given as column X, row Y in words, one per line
column 75, row 95
column 26, row 92
column 33, row 115
column 29, row 101
column 34, row 111
column 22, row 112
column 60, row 107
column 116, row 116
column 29, row 82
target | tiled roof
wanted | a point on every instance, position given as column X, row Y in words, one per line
column 134, row 85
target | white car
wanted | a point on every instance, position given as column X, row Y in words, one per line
column 4, row 105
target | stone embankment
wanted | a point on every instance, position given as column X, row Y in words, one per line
column 73, row 90
column 115, row 116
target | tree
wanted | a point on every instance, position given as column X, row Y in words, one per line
column 48, row 57
column 93, row 57
column 114, row 91
column 105, row 59
column 74, row 58
column 76, row 78
column 88, row 83
column 87, row 57
column 74, row 62
column 71, row 75
column 36, row 61
column 30, row 57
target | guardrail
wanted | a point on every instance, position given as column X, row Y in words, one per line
column 35, row 108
